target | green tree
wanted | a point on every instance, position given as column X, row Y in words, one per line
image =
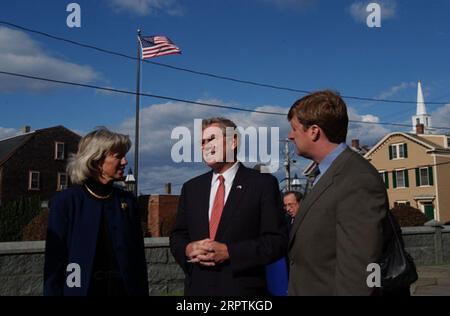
column 15, row 215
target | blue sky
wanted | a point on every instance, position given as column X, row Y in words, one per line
column 303, row 44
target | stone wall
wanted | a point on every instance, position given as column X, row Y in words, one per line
column 22, row 266
column 21, row 263
column 428, row 245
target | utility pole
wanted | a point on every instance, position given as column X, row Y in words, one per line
column 136, row 138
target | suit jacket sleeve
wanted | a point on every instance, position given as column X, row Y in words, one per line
column 361, row 209
column 271, row 244
column 179, row 238
column 56, row 254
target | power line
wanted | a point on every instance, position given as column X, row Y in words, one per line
column 141, row 94
column 179, row 100
column 206, row 74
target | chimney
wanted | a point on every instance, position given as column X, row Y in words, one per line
column 355, row 144
column 420, row 129
column 26, row 129
column 168, row 188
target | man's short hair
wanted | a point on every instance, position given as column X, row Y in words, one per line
column 327, row 110
column 298, row 195
column 221, row 121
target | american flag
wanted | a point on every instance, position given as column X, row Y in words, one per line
column 155, row 46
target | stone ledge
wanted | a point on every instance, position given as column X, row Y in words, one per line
column 419, row 230
column 20, row 247
column 23, row 247
column 156, row 242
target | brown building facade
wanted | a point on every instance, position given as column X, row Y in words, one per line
column 34, row 163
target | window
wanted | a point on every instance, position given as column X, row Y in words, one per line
column 394, row 152
column 402, row 203
column 59, row 151
column 34, row 180
column 448, row 142
column 398, row 151
column 424, row 176
column 400, row 179
column 62, row 181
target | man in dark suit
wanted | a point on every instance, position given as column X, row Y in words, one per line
column 291, row 201
column 229, row 222
column 339, row 230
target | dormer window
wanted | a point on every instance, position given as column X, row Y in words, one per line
column 398, row 151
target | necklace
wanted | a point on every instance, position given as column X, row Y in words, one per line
column 96, row 195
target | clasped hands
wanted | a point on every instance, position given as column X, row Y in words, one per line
column 207, row 252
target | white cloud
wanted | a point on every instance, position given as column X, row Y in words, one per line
column 441, row 118
column 359, row 13
column 396, row 89
column 146, row 7
column 368, row 134
column 6, row 132
column 19, row 53
column 153, row 178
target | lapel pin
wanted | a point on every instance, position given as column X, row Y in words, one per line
column 124, row 206
column 239, row 187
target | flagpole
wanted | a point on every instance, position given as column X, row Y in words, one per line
column 136, row 140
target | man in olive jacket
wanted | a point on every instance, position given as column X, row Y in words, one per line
column 339, row 229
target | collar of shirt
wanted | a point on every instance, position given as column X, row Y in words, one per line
column 229, row 178
column 328, row 160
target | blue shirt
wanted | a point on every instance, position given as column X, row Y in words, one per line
column 328, row 160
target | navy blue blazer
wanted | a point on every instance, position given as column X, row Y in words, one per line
column 72, row 232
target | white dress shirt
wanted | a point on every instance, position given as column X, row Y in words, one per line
column 229, row 178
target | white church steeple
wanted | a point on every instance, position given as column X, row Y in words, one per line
column 421, row 116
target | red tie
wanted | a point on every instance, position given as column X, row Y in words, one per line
column 217, row 209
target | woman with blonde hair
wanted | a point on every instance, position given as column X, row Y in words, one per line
column 94, row 238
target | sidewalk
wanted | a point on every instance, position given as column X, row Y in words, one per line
column 433, row 280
